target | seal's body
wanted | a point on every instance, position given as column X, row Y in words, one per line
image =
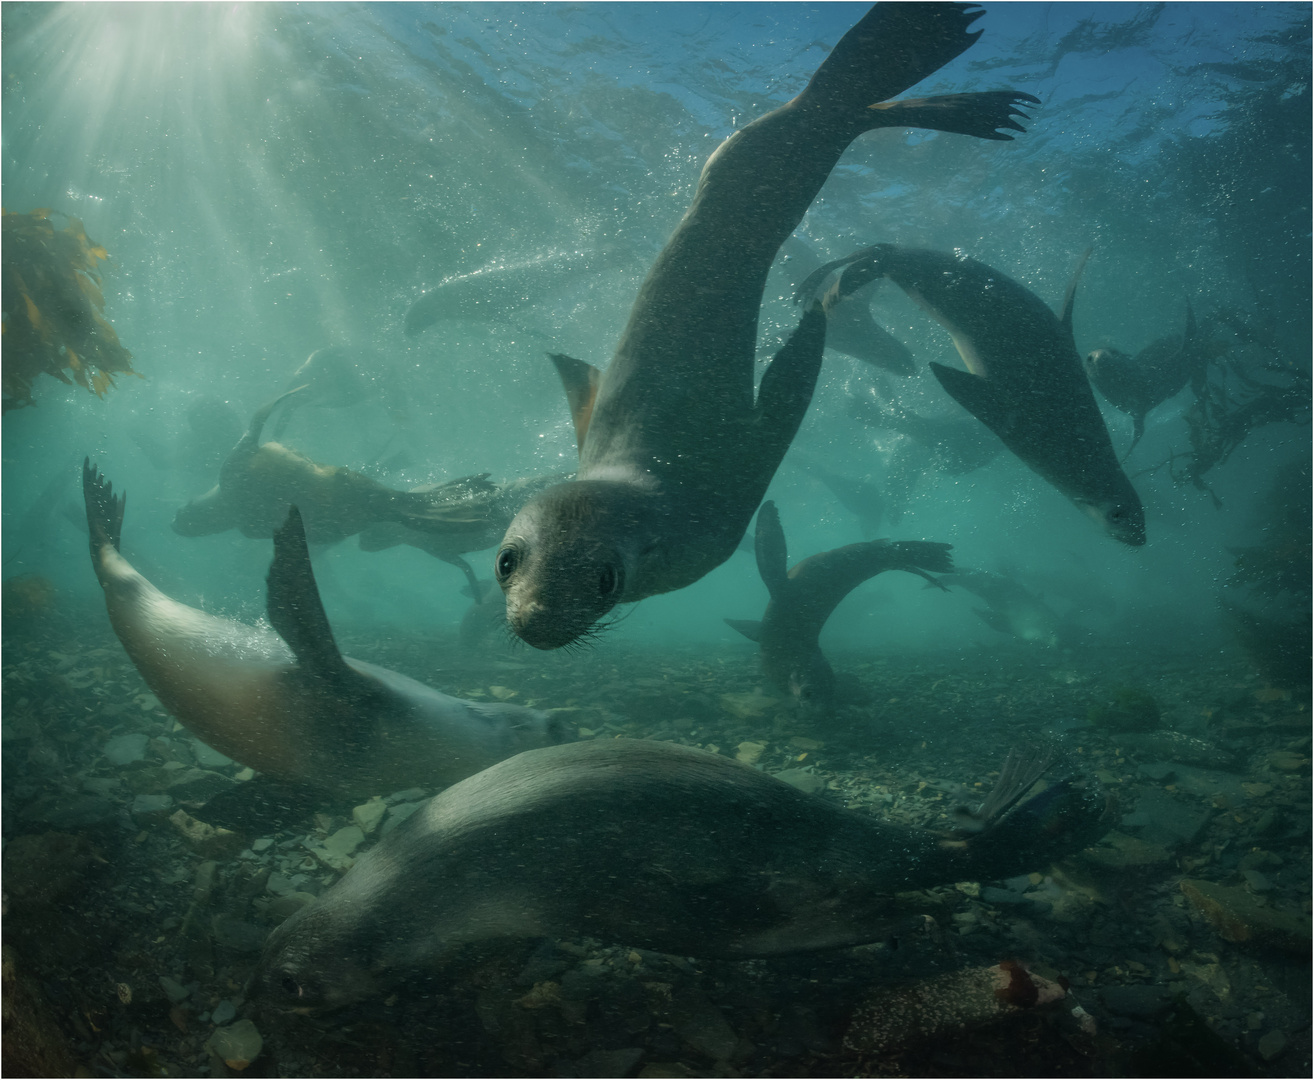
column 803, row 598
column 640, row 843
column 1011, row 607
column 1024, row 377
column 1159, row 371
column 259, row 481
column 289, row 704
column 675, row 449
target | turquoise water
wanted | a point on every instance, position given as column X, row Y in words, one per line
column 271, row 179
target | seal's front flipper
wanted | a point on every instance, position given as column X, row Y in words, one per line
column 769, row 547
column 977, row 396
column 581, row 383
column 294, row 606
column 104, row 508
column 993, row 620
column 750, row 628
column 786, row 388
column 472, row 582
column 977, row 114
column 1071, row 295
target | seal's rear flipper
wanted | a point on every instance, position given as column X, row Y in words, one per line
column 581, row 383
column 294, row 606
column 750, row 628
column 769, row 547
column 104, row 508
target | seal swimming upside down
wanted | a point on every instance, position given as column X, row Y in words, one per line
column 803, row 598
column 289, row 704
column 675, row 451
column 1024, row 377
column 647, row 844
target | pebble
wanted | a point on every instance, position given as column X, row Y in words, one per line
column 1271, row 1045
column 173, row 989
column 397, row 814
column 410, row 795
column 237, row 1046
column 223, row 1012
column 151, row 805
column 262, row 845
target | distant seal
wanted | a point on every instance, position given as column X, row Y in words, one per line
column 1159, row 371
column 803, row 598
column 1024, row 378
column 289, row 704
column 1011, row 608
column 675, row 450
column 647, row 844
column 340, row 377
column 258, row 481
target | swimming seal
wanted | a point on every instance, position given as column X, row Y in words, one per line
column 1011, row 608
column 647, row 844
column 1024, row 378
column 1158, row 372
column 289, row 704
column 803, row 598
column 675, row 450
column 259, row 481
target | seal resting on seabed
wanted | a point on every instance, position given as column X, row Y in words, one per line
column 803, row 598
column 259, row 481
column 1024, row 377
column 289, row 704
column 647, row 844
column 675, row 452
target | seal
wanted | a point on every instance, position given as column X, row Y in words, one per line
column 258, row 481
column 803, row 598
column 1024, row 378
column 288, row 703
column 1011, row 608
column 676, row 452
column 648, row 844
column 1159, row 371
column 341, row 377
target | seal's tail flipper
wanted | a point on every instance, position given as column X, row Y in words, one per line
column 750, row 628
column 770, row 549
column 293, row 604
column 923, row 558
column 1018, row 834
column 104, row 509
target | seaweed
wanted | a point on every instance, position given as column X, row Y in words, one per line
column 53, row 318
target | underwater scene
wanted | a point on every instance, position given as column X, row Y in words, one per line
column 452, row 457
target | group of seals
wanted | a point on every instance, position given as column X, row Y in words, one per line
column 678, row 451
column 647, row 844
column 289, row 704
column 1024, row 377
column 803, row 598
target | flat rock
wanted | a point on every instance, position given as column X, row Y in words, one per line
column 236, row 1045
column 802, row 779
column 126, row 749
column 1165, row 820
column 1118, row 851
column 368, row 815
column 1137, row 1000
column 1239, row 916
column 206, row 840
column 208, row 757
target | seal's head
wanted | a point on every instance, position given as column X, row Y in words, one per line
column 205, row 515
column 1122, row 518
column 567, row 558
column 1107, row 365
column 310, row 964
column 812, row 686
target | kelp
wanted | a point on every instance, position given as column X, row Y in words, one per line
column 53, row 319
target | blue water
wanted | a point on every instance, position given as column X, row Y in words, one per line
column 273, row 179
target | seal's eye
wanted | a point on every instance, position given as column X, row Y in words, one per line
column 290, row 986
column 1116, row 514
column 607, row 580
column 507, row 561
